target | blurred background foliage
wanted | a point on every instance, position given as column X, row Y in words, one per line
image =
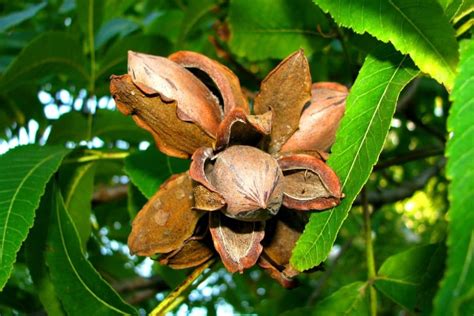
column 56, row 58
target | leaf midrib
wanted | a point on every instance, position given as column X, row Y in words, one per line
column 422, row 35
column 73, row 267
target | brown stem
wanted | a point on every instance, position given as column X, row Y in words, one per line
column 407, row 157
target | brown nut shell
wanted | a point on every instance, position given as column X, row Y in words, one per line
column 320, row 120
column 309, row 184
column 238, row 243
column 167, row 220
column 173, row 136
column 195, row 102
column 225, row 80
column 250, row 182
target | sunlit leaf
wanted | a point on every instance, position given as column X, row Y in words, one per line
column 149, row 169
column 274, row 29
column 417, row 28
column 73, row 275
column 359, row 141
column 456, row 295
column 25, row 171
column 410, row 278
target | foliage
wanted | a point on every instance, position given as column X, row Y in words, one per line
column 75, row 171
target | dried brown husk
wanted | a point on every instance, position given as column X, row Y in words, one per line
column 250, row 182
column 238, row 243
column 193, row 253
column 226, row 81
column 173, row 136
column 285, row 91
column 320, row 120
column 309, row 184
column 195, row 102
column 167, row 220
column 239, row 128
column 205, row 199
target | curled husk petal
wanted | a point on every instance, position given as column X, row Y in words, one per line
column 320, row 120
column 159, row 75
column 193, row 253
column 173, row 136
column 309, row 184
column 238, row 243
column 205, row 199
column 239, row 127
column 250, row 182
column 199, row 166
column 285, row 91
column 167, row 220
column 225, row 80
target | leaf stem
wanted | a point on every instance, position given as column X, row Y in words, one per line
column 175, row 297
column 369, row 253
column 90, row 31
column 98, row 156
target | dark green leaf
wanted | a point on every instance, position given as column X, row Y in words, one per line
column 49, row 54
column 359, row 141
column 419, row 29
column 107, row 125
column 456, row 296
column 77, row 186
column 149, row 169
column 455, row 9
column 113, row 125
column 15, row 18
column 348, row 300
column 195, row 11
column 410, row 278
column 35, row 256
column 72, row 275
column 274, row 28
column 70, row 127
column 114, row 61
column 25, row 171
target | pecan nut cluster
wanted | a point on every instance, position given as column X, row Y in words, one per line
column 255, row 170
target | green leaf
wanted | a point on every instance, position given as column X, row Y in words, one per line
column 274, row 28
column 50, row 53
column 115, row 58
column 15, row 18
column 195, row 11
column 456, row 295
column 149, row 169
column 417, row 28
column 107, row 125
column 359, row 141
column 113, row 125
column 77, row 184
column 70, row 127
column 25, row 171
column 351, row 299
column 456, row 9
column 118, row 26
column 35, row 256
column 410, row 278
column 72, row 275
